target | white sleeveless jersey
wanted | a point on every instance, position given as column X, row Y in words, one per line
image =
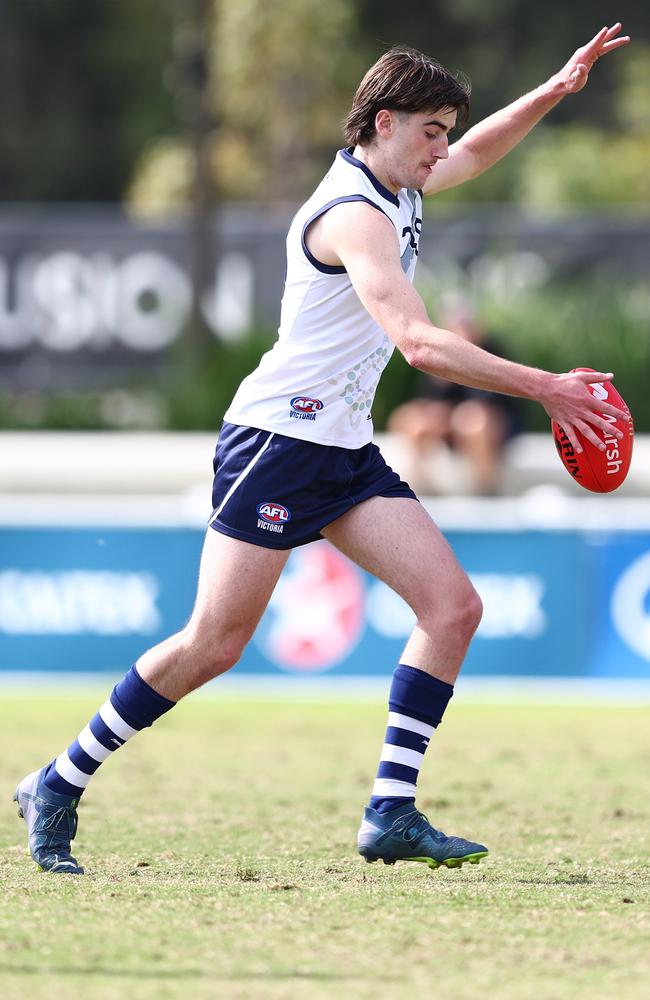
column 318, row 381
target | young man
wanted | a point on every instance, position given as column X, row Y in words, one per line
column 295, row 461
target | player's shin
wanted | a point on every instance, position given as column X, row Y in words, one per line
column 133, row 705
column 416, row 705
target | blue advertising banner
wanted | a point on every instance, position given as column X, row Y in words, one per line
column 88, row 599
column 619, row 633
column 556, row 603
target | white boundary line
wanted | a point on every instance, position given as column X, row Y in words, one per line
column 495, row 690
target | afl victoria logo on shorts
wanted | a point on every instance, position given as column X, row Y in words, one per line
column 305, row 407
column 272, row 516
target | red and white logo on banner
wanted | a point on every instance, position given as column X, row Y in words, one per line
column 316, row 615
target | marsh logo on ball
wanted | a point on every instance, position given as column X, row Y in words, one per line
column 316, row 615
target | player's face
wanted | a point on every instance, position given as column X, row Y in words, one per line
column 419, row 140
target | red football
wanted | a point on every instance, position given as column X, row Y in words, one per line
column 598, row 471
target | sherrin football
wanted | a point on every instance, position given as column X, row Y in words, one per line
column 595, row 470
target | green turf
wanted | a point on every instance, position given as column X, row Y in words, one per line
column 221, row 861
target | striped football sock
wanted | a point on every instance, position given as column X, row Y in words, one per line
column 133, row 705
column 416, row 705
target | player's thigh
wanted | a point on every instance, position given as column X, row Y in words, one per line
column 397, row 541
column 236, row 580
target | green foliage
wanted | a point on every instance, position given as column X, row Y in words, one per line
column 592, row 326
column 279, row 81
column 631, row 97
column 220, row 858
column 90, row 92
column 81, row 93
column 283, row 75
column 578, row 166
column 562, row 167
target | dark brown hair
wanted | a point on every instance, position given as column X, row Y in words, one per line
column 404, row 79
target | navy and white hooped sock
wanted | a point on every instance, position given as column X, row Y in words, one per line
column 133, row 705
column 416, row 705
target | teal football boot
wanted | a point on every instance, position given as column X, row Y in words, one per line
column 404, row 834
column 51, row 824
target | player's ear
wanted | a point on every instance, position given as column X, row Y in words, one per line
column 385, row 122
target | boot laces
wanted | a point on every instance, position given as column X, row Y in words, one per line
column 62, row 821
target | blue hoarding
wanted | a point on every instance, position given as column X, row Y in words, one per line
column 556, row 603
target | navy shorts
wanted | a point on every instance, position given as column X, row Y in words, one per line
column 280, row 492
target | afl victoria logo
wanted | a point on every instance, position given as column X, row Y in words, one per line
column 306, row 404
column 273, row 513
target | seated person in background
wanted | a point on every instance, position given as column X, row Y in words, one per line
column 448, row 417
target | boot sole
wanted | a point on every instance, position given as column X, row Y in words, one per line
column 473, row 859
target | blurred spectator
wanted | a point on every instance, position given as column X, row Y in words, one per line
column 457, row 434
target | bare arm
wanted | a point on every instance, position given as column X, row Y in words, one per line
column 366, row 243
column 490, row 140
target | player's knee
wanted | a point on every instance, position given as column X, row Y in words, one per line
column 473, row 610
column 225, row 653
column 460, row 613
column 465, row 613
column 213, row 654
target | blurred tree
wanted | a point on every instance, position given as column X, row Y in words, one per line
column 631, row 98
column 88, row 112
column 581, row 166
column 285, row 74
column 80, row 94
column 282, row 76
column 509, row 46
column 558, row 168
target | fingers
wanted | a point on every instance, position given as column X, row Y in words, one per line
column 591, row 377
column 611, row 411
column 606, row 41
column 608, row 429
column 592, row 48
column 611, row 40
column 590, row 435
column 570, row 432
column 594, row 378
column 597, row 39
column 616, row 43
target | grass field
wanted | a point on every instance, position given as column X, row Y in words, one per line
column 220, row 856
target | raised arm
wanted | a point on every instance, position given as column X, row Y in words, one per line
column 490, row 140
column 366, row 243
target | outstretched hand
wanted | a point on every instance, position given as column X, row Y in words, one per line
column 569, row 402
column 576, row 72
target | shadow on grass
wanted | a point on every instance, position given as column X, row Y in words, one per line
column 172, row 974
